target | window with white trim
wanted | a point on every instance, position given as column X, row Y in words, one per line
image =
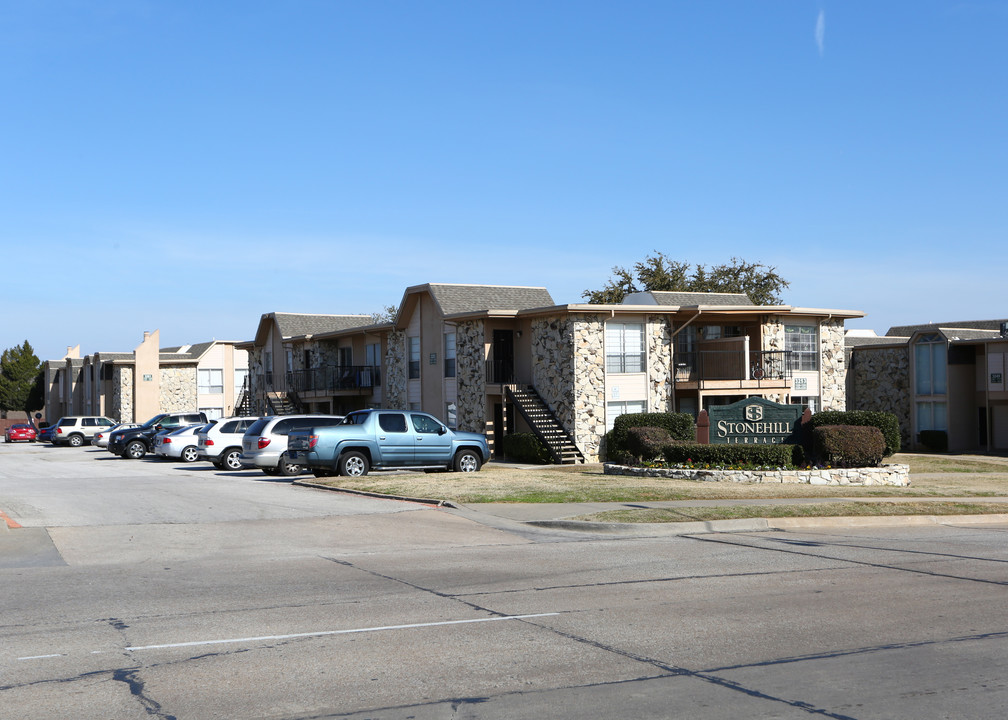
column 449, row 355
column 615, row 409
column 210, row 381
column 414, row 358
column 624, row 347
column 802, row 341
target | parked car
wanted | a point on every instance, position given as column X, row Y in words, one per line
column 178, row 444
column 134, row 443
column 101, row 439
column 22, row 432
column 386, row 439
column 77, row 430
column 220, row 441
column 264, row 445
column 44, row 434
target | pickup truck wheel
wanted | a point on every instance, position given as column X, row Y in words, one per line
column 287, row 468
column 190, row 454
column 467, row 461
column 353, row 464
column 135, row 450
column 232, row 459
column 75, row 440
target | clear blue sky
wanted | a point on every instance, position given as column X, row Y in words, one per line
column 189, row 165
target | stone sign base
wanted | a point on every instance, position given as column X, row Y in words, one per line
column 885, row 475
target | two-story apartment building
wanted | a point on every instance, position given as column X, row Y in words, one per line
column 948, row 377
column 134, row 386
column 497, row 359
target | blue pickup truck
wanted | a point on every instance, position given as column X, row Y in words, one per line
column 383, row 440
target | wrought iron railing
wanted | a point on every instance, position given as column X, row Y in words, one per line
column 334, row 377
column 500, row 371
column 767, row 365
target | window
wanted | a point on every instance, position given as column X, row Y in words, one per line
column 414, row 358
column 426, row 424
column 930, row 366
column 931, row 416
column 449, row 355
column 801, row 341
column 809, row 401
column 392, row 422
column 210, row 381
column 213, row 413
column 240, row 376
column 372, row 354
column 615, row 409
column 345, row 356
column 451, row 415
column 624, row 347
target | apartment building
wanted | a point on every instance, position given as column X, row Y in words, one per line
column 500, row 359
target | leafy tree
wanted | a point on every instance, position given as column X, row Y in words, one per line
column 659, row 272
column 385, row 316
column 20, row 379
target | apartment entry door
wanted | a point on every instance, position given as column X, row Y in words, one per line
column 503, row 356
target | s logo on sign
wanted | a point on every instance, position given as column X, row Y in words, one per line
column 754, row 412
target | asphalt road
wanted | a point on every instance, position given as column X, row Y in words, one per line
column 139, row 589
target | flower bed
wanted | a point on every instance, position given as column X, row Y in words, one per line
column 884, row 475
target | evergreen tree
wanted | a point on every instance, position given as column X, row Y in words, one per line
column 20, row 380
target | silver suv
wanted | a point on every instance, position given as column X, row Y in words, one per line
column 264, row 445
column 76, row 430
column 220, row 441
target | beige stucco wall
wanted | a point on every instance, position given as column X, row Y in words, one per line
column 147, row 377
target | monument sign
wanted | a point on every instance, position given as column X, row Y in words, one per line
column 753, row 421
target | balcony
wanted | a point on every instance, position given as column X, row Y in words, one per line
column 335, row 379
column 733, row 369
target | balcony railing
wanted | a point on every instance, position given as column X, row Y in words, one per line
column 733, row 365
column 500, row 371
column 334, row 377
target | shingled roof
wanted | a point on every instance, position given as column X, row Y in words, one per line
column 456, row 299
column 908, row 330
column 686, row 299
column 296, row 324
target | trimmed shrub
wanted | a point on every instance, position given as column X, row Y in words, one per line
column 728, row 455
column 647, row 442
column 885, row 422
column 680, row 426
column 848, row 445
column 934, row 440
column 526, row 447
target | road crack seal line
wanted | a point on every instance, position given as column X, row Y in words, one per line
column 665, row 668
column 136, row 686
column 860, row 563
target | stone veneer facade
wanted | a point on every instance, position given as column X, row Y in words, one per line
column 470, row 376
column 832, row 369
column 122, row 393
column 589, row 385
column 394, row 391
column 178, row 389
column 659, row 360
column 880, row 380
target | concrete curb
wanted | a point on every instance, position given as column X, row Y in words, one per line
column 386, row 496
column 765, row 524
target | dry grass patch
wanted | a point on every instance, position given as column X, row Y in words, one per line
column 507, row 483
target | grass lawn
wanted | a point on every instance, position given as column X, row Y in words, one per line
column 930, row 476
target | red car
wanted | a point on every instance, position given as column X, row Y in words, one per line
column 21, row 431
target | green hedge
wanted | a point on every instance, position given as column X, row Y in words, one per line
column 885, row 422
column 848, row 445
column 769, row 455
column 647, row 442
column 526, row 447
column 679, row 426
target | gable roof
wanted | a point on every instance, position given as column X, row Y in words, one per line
column 458, row 299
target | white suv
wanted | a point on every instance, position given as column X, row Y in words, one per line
column 220, row 442
column 264, row 445
column 76, row 430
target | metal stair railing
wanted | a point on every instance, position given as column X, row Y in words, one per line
column 544, row 425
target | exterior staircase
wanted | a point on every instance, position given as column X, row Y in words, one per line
column 281, row 403
column 545, row 425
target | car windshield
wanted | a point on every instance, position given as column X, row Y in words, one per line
column 153, row 421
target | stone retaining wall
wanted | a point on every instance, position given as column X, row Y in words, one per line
column 885, row 475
